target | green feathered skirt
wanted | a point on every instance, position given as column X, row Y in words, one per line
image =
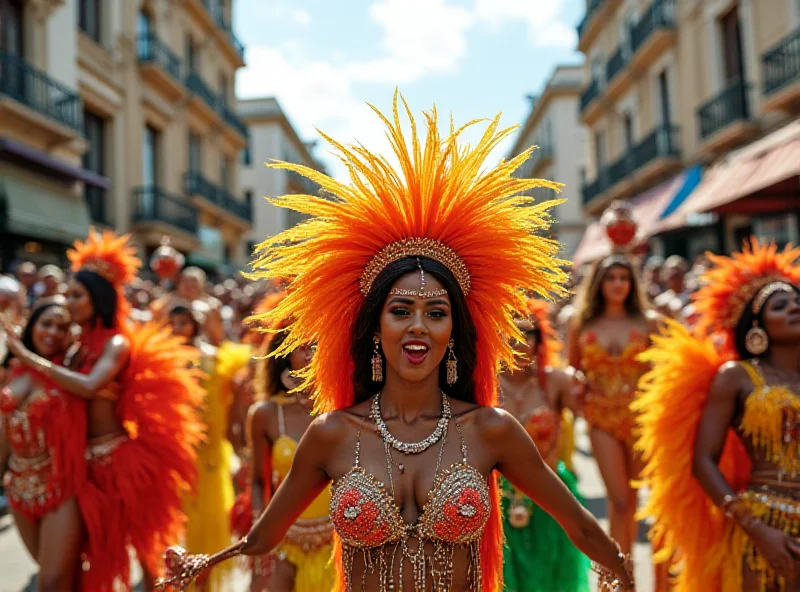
column 540, row 557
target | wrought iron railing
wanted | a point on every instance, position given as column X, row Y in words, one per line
column 782, row 64
column 153, row 204
column 197, row 184
column 33, row 88
column 596, row 187
column 197, row 85
column 218, row 16
column 664, row 141
column 727, row 107
column 660, row 15
column 590, row 10
column 590, row 94
column 617, row 62
column 242, row 209
column 233, row 120
column 153, row 50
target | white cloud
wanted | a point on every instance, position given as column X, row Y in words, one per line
column 546, row 28
column 419, row 37
column 301, row 16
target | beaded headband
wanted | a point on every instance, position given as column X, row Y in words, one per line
column 421, row 293
column 766, row 291
column 103, row 269
column 415, row 247
column 750, row 291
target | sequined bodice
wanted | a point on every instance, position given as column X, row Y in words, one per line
column 613, row 375
column 771, row 420
column 543, row 427
column 365, row 515
column 23, row 421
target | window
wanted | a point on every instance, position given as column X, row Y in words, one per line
column 223, row 89
column 191, row 54
column 627, row 128
column 195, row 153
column 247, row 154
column 663, row 93
column 732, row 46
column 248, row 197
column 600, row 149
column 94, row 128
column 145, row 25
column 150, row 157
column 225, row 173
column 89, row 18
column 11, row 27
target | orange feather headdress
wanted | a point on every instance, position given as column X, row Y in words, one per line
column 444, row 203
column 110, row 256
column 734, row 282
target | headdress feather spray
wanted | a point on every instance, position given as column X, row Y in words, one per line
column 442, row 191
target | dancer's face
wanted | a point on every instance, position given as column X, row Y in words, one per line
column 301, row 357
column 414, row 331
column 525, row 351
column 79, row 302
column 183, row 325
column 616, row 285
column 781, row 317
column 52, row 331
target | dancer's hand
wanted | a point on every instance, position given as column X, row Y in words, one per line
column 780, row 550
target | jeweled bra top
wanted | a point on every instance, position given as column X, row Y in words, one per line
column 366, row 518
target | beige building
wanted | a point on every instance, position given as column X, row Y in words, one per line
column 553, row 126
column 136, row 97
column 272, row 137
column 675, row 83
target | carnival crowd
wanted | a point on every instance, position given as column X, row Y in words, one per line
column 148, row 408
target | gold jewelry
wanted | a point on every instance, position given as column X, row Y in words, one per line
column 183, row 568
column 765, row 292
column 608, row 581
column 421, row 293
column 415, row 247
column 756, row 341
column 748, row 291
column 377, row 360
column 452, row 364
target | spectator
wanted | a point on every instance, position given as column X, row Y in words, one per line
column 651, row 276
column 26, row 274
column 51, row 281
column 671, row 302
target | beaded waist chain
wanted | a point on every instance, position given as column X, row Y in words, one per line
column 98, row 449
column 310, row 535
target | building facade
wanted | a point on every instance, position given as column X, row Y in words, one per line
column 553, row 126
column 672, row 84
column 272, row 137
column 147, row 89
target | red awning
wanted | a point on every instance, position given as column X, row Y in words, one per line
column 762, row 164
column 646, row 208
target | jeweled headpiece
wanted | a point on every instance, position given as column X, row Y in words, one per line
column 751, row 275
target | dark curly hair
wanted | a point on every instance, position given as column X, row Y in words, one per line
column 103, row 295
column 368, row 321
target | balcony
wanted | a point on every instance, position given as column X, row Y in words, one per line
column 212, row 14
column 588, row 96
column 233, row 121
column 203, row 98
column 300, row 184
column 653, row 157
column 616, row 74
column 153, row 205
column 725, row 119
column 597, row 12
column 540, row 158
column 160, row 66
column 222, row 203
column 781, row 69
column 35, row 101
column 653, row 33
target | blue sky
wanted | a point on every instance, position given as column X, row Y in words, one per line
column 324, row 60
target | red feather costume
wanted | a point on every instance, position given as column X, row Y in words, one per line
column 133, row 495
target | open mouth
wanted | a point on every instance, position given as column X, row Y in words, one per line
column 415, row 353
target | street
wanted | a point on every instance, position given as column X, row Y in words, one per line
column 19, row 571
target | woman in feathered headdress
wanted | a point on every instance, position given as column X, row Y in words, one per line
column 611, row 326
column 142, row 424
column 716, row 405
column 538, row 555
column 407, row 279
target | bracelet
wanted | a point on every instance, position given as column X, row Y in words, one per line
column 608, row 580
column 737, row 508
column 183, row 568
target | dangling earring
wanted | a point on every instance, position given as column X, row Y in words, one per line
column 452, row 364
column 756, row 341
column 377, row 361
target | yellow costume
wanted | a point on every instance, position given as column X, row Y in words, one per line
column 208, row 507
column 309, row 543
